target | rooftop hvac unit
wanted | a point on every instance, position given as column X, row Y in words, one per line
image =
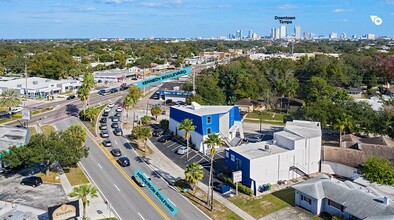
column 19, row 85
column 266, row 147
column 35, row 82
column 47, row 80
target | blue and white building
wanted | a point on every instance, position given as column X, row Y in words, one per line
column 222, row 120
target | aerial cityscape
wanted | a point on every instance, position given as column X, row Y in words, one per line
column 180, row 109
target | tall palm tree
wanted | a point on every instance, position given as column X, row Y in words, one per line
column 10, row 98
column 142, row 133
column 156, row 111
column 128, row 103
column 342, row 123
column 83, row 192
column 78, row 132
column 83, row 94
column 193, row 174
column 212, row 141
column 187, row 126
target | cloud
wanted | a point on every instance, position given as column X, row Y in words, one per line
column 150, row 4
column 286, row 7
column 341, row 10
column 116, row 2
column 90, row 9
column 389, row 2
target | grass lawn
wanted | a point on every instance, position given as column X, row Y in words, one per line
column 108, row 219
column 199, row 199
column 316, row 218
column 13, row 117
column 264, row 122
column 47, row 129
column 141, row 149
column 76, row 176
column 264, row 205
column 266, row 116
column 37, row 111
column 51, row 178
column 33, row 131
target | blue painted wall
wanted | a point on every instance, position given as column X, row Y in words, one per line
column 214, row 125
column 179, row 115
column 233, row 166
column 313, row 207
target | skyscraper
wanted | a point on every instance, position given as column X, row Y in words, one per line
column 277, row 33
column 250, row 34
column 333, row 35
column 282, row 31
column 343, row 36
column 297, row 32
column 238, row 34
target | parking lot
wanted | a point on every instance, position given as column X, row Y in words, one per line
column 39, row 197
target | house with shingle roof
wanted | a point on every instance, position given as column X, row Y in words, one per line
column 346, row 199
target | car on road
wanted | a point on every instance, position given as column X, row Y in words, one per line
column 254, row 138
column 118, row 132
column 107, row 110
column 103, row 126
column 71, row 97
column 123, row 161
column 119, row 109
column 118, row 114
column 165, row 138
column 116, row 152
column 110, row 105
column 115, row 119
column 16, row 110
column 32, row 181
column 163, row 112
column 105, row 114
column 102, row 92
column 115, row 125
column 182, row 150
column 155, row 96
column 136, row 180
column 158, row 132
column 113, row 90
column 104, row 134
column 107, row 143
column 103, row 120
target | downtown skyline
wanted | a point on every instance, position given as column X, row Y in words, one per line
column 27, row 19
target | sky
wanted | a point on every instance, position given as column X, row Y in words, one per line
column 26, row 19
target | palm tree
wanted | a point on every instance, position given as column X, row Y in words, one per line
column 128, row 103
column 92, row 113
column 82, row 192
column 342, row 123
column 142, row 133
column 145, row 120
column 88, row 82
column 135, row 93
column 193, row 174
column 212, row 141
column 187, row 126
column 83, row 93
column 78, row 132
column 10, row 98
column 291, row 89
column 156, row 111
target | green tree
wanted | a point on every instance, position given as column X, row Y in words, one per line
column 10, row 98
column 193, row 174
column 15, row 156
column 164, row 123
column 187, row 126
column 128, row 103
column 88, row 80
column 145, row 120
column 343, row 122
column 90, row 113
column 78, row 132
column 212, row 141
column 83, row 192
column 135, row 93
column 156, row 111
column 378, row 170
column 142, row 134
column 83, row 94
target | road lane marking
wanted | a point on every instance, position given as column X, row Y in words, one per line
column 171, row 202
column 141, row 216
column 100, row 166
column 117, row 187
column 116, row 143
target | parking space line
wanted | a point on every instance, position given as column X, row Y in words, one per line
column 116, row 143
column 170, row 145
column 117, row 188
column 100, row 166
column 193, row 157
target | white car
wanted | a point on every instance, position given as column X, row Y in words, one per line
column 107, row 110
column 16, row 110
column 110, row 105
column 182, row 150
column 119, row 109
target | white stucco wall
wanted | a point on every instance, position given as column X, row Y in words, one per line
column 338, row 169
column 224, row 124
column 196, row 138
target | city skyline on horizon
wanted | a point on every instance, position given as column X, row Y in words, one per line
column 33, row 19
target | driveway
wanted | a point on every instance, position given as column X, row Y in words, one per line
column 294, row 213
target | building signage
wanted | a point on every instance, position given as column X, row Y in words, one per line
column 164, row 77
column 156, row 192
column 26, row 114
column 237, row 176
column 68, row 210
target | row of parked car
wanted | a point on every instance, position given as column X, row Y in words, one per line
column 167, row 137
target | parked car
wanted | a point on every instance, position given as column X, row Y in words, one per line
column 104, row 134
column 16, row 110
column 158, row 132
column 107, row 143
column 102, row 92
column 118, row 132
column 221, row 187
column 32, row 181
column 105, row 114
column 179, row 103
column 254, row 138
column 115, row 125
column 165, row 138
column 110, row 105
column 115, row 119
column 116, row 152
column 136, row 180
column 119, row 109
column 103, row 127
column 168, row 101
column 113, row 90
column 103, row 120
column 123, row 161
column 107, row 110
column 71, row 97
column 182, row 150
column 164, row 112
column 155, row 96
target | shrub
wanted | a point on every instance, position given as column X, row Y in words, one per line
column 241, row 187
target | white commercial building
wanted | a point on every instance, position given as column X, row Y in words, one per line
column 40, row 87
column 283, row 32
column 293, row 152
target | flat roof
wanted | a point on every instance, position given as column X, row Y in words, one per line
column 12, row 136
column 289, row 135
column 39, row 83
column 306, row 129
column 257, row 150
column 204, row 110
column 109, row 73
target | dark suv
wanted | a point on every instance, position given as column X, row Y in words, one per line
column 123, row 161
column 32, row 181
column 165, row 138
column 71, row 97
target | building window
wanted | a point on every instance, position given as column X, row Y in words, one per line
column 232, row 157
column 208, row 119
column 208, row 130
column 335, row 205
column 226, row 154
column 306, row 199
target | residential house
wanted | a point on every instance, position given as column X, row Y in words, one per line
column 354, row 92
column 375, row 102
column 222, row 120
column 245, row 105
column 12, row 136
column 293, row 152
column 346, row 199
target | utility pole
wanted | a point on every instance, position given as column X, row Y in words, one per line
column 194, row 83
